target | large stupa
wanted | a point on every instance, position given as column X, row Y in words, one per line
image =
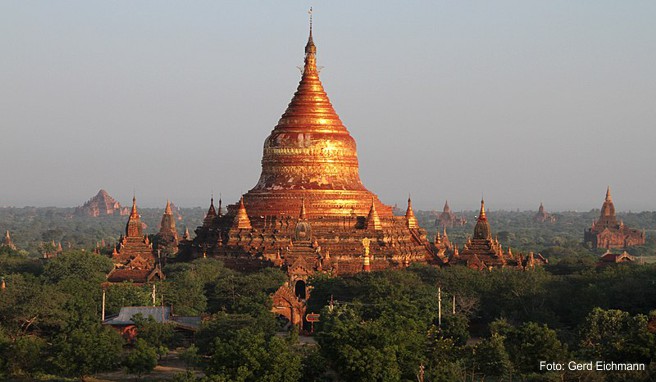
column 309, row 201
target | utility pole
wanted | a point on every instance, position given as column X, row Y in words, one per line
column 102, row 315
column 153, row 295
column 453, row 305
column 439, row 306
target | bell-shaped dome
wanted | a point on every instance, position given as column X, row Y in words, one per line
column 310, row 149
column 310, row 155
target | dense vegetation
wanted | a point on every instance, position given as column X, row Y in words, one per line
column 379, row 327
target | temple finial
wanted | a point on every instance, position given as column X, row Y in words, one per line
column 411, row 220
column 608, row 197
column 310, row 52
column 134, row 213
column 481, row 215
column 310, row 13
column 303, row 214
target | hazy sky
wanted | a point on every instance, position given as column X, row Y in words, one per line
column 523, row 101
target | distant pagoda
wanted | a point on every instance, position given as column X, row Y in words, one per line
column 101, row 205
column 166, row 240
column 449, row 219
column 7, row 242
column 133, row 257
column 543, row 216
column 309, row 202
column 483, row 252
column 607, row 232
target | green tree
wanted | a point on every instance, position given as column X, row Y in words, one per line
column 247, row 355
column 156, row 334
column 142, row 359
column 444, row 363
column 531, row 343
column 22, row 356
column 86, row 351
column 190, row 356
column 28, row 306
column 364, row 350
column 126, row 294
column 78, row 264
column 491, row 358
column 614, row 335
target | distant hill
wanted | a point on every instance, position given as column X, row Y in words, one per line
column 101, row 205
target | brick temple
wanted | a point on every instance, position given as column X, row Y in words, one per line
column 309, row 212
column 607, row 232
column 133, row 257
column 482, row 251
column 448, row 218
column 102, row 204
column 543, row 216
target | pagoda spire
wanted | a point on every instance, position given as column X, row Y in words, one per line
column 241, row 219
column 303, row 214
column 8, row 242
column 373, row 221
column 482, row 228
column 167, row 224
column 607, row 217
column 410, row 218
column 211, row 213
column 134, row 227
column 218, row 212
column 446, row 206
column 481, row 214
column 310, row 52
column 134, row 214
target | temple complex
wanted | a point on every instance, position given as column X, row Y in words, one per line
column 543, row 217
column 166, row 240
column 133, row 257
column 309, row 212
column 101, row 205
column 449, row 219
column 483, row 252
column 607, row 232
column 51, row 250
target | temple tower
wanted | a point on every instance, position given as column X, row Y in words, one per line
column 606, row 232
column 7, row 242
column 310, row 187
column 166, row 240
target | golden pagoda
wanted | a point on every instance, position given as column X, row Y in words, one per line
column 309, row 201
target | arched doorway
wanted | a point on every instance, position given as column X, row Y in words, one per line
column 299, row 289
